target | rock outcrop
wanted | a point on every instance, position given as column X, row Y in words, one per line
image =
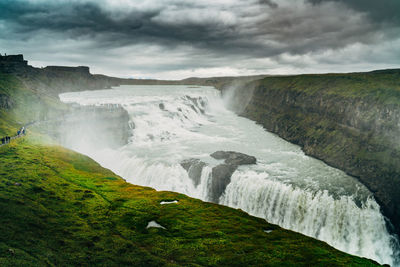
column 234, row 158
column 220, row 174
column 13, row 64
column 350, row 121
column 221, row 177
column 194, row 168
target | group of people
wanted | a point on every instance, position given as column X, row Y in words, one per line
column 7, row 139
column 21, row 131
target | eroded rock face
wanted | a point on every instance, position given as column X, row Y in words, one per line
column 220, row 174
column 234, row 158
column 194, row 168
column 221, row 177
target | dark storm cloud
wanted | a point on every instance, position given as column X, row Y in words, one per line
column 88, row 19
column 287, row 29
column 181, row 34
column 380, row 11
column 75, row 19
column 269, row 3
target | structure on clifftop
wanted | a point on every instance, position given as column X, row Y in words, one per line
column 13, row 63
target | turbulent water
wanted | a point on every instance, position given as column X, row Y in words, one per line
column 173, row 123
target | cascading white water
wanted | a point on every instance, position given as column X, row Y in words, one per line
column 286, row 187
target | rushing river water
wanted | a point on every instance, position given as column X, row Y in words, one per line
column 173, row 123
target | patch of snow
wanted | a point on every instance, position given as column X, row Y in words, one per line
column 268, row 231
column 168, row 202
column 154, row 224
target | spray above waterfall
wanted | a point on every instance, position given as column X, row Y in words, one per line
column 170, row 125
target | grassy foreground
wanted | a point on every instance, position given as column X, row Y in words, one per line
column 61, row 208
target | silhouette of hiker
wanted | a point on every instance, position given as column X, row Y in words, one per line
column 2, row 141
column 23, row 131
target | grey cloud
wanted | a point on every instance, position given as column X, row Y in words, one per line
column 289, row 28
column 217, row 34
column 269, row 3
column 380, row 11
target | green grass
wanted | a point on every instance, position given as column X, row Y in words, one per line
column 68, row 210
column 29, row 105
column 382, row 86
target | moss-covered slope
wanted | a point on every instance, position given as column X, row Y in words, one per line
column 24, row 105
column 61, row 208
column 351, row 121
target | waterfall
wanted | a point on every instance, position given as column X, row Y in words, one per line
column 340, row 222
column 170, row 124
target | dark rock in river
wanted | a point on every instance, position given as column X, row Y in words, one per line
column 194, row 168
column 221, row 177
column 221, row 174
column 234, row 158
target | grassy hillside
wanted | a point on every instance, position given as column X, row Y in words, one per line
column 60, row 208
column 27, row 105
column 381, row 86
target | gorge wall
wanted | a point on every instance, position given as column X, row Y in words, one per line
column 350, row 121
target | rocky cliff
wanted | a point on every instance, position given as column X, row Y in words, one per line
column 350, row 121
column 56, row 79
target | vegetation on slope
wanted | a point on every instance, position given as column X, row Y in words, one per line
column 27, row 105
column 61, row 208
column 381, row 86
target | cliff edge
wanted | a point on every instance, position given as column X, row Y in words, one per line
column 350, row 121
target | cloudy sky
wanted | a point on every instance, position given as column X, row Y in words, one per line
column 173, row 39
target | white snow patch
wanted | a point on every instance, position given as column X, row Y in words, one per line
column 268, row 231
column 154, row 224
column 168, row 202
